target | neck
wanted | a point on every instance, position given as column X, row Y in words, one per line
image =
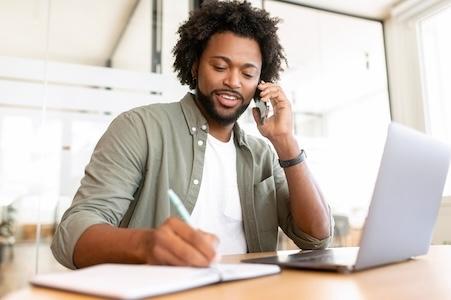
column 220, row 132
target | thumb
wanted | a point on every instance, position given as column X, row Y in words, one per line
column 256, row 115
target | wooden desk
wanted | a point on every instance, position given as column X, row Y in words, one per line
column 426, row 277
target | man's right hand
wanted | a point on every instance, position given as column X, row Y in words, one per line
column 173, row 243
column 178, row 244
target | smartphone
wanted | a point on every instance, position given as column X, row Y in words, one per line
column 263, row 107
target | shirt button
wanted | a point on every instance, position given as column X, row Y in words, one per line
column 204, row 127
column 200, row 143
column 196, row 182
column 193, row 129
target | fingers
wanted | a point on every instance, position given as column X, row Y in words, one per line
column 271, row 92
column 213, row 240
column 280, row 122
column 209, row 240
column 202, row 242
column 177, row 243
column 167, row 258
column 274, row 93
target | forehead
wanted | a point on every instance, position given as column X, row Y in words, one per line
column 236, row 48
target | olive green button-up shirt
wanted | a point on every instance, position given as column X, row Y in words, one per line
column 150, row 149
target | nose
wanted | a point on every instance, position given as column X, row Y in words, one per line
column 232, row 79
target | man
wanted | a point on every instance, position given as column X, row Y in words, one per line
column 231, row 183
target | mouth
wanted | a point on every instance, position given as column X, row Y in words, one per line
column 228, row 99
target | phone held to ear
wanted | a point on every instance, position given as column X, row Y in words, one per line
column 263, row 108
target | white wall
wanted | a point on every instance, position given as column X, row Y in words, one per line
column 135, row 48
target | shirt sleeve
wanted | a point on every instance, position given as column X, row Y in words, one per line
column 300, row 238
column 111, row 179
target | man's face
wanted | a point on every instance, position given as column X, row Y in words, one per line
column 227, row 75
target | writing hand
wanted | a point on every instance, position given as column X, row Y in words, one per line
column 178, row 244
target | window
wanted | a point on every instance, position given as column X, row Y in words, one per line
column 336, row 80
column 435, row 44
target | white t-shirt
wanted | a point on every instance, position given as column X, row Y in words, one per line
column 218, row 207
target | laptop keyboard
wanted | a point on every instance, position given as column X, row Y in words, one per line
column 322, row 259
column 309, row 255
column 325, row 256
column 309, row 258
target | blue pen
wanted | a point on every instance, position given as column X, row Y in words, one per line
column 181, row 209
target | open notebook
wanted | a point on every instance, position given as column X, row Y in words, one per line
column 138, row 281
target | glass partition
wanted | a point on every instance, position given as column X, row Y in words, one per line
column 67, row 68
column 435, row 45
column 27, row 149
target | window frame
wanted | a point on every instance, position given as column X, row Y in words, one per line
column 404, row 62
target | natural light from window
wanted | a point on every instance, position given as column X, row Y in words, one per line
column 336, row 80
column 435, row 42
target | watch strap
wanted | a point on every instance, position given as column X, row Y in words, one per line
column 292, row 162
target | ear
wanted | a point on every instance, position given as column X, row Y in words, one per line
column 194, row 69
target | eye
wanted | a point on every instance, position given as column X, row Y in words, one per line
column 219, row 68
column 247, row 75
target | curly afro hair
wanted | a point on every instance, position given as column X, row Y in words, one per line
column 237, row 17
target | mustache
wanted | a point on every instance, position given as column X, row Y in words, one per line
column 238, row 95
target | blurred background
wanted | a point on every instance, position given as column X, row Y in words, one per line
column 67, row 68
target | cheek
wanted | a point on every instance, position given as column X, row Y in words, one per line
column 209, row 81
column 203, row 84
column 251, row 89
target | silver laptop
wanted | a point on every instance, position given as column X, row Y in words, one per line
column 402, row 213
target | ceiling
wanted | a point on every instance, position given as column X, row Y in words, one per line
column 93, row 31
column 82, row 31
column 375, row 9
column 90, row 32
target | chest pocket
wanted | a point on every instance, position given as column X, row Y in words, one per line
column 265, row 205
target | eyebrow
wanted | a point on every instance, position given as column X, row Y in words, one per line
column 228, row 60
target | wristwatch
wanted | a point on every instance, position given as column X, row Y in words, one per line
column 292, row 162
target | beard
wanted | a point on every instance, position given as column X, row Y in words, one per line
column 208, row 105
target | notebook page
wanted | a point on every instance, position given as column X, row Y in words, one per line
column 128, row 281
column 230, row 272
